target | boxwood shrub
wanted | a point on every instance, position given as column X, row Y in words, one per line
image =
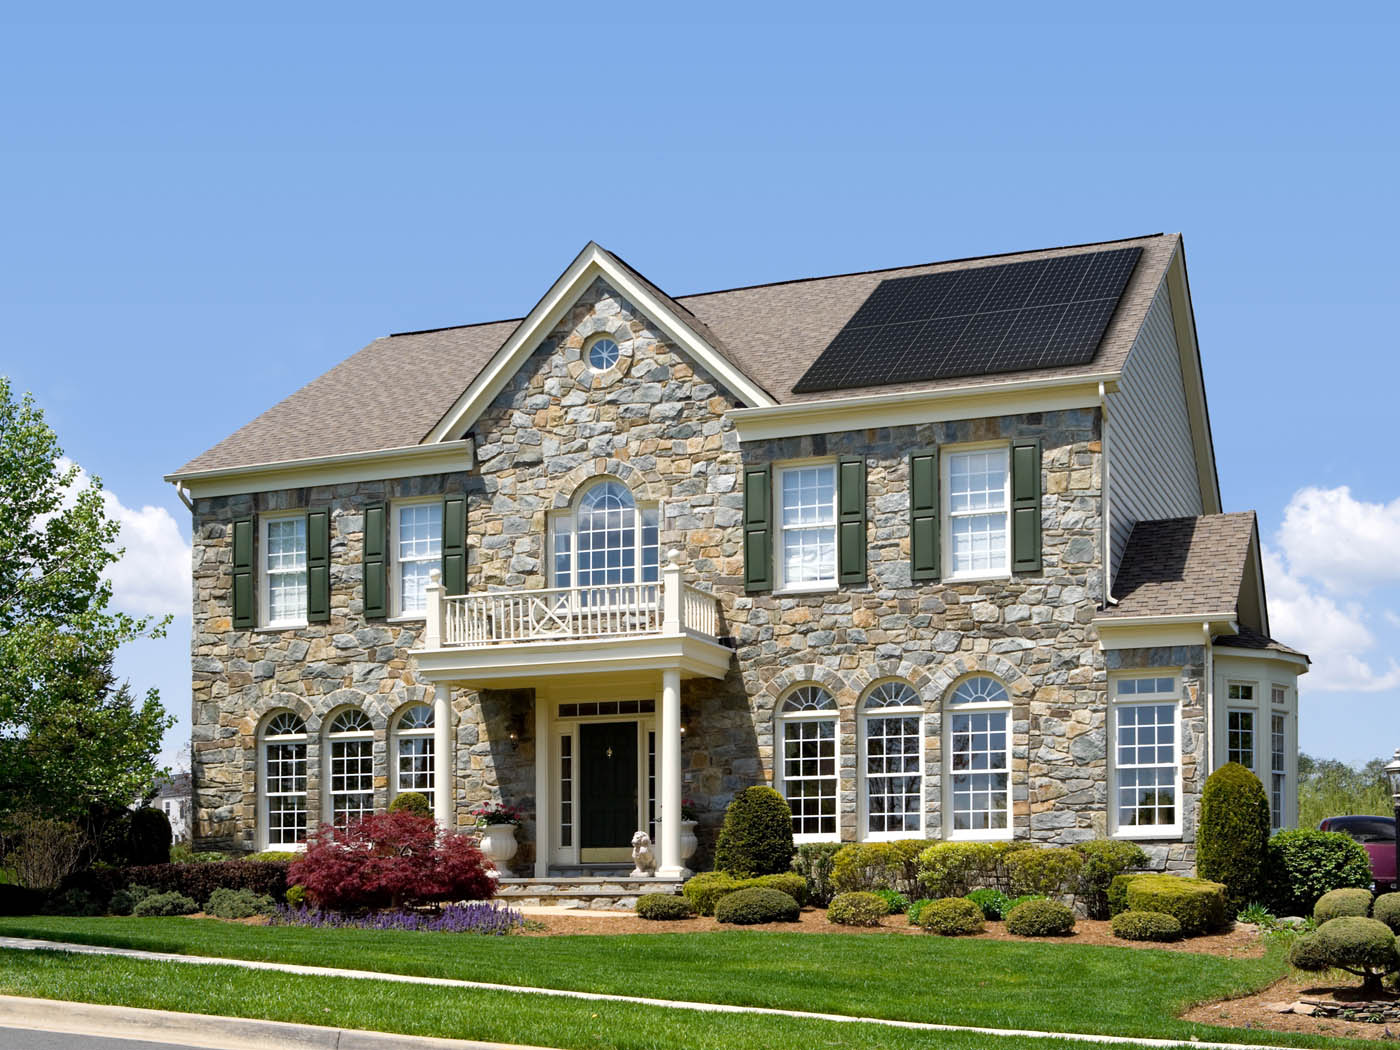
column 663, row 906
column 756, row 838
column 1199, row 905
column 1387, row 910
column 225, row 903
column 1305, row 864
column 951, row 917
column 954, row 869
column 1357, row 945
column 756, row 905
column 915, row 909
column 857, row 909
column 1336, row 903
column 200, row 880
column 868, row 866
column 1040, row 918
column 706, row 890
column 1104, row 861
column 1049, row 872
column 1145, row 926
column 165, row 904
column 814, row 862
column 1118, row 893
column 413, row 801
column 124, row 901
column 1232, row 839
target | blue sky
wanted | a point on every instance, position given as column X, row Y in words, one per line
column 200, row 216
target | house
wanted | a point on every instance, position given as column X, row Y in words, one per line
column 173, row 796
column 936, row 551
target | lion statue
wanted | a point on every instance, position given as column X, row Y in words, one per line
column 643, row 856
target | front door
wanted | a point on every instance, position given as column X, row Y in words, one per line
column 608, row 790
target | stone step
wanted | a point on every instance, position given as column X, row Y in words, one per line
column 599, row 894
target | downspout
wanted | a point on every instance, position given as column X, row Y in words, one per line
column 180, row 491
column 1209, row 689
column 1107, row 523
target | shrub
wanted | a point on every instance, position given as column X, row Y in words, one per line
column 1118, row 893
column 953, row 869
column 414, row 802
column 284, row 855
column 1232, row 840
column 756, row 838
column 199, row 880
column 706, row 890
column 994, row 903
column 148, row 837
column 1104, row 861
column 165, row 904
column 181, row 853
column 390, row 860
column 755, row 905
column 857, row 909
column 41, row 852
column 951, row 917
column 73, row 902
column 895, row 901
column 1050, row 872
column 1336, row 903
column 661, row 906
column 1199, row 905
column 295, row 895
column 1387, row 910
column 1042, row 918
column 123, row 902
column 1303, row 865
column 1357, row 945
column 1145, row 926
column 814, row 861
column 788, row 882
column 915, row 909
column 20, row 900
column 866, row 866
column 238, row 904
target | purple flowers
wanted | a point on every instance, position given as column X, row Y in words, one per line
column 486, row 917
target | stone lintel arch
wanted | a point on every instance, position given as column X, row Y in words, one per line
column 257, row 715
column 917, row 676
column 645, row 486
column 961, row 667
column 806, row 674
column 379, row 706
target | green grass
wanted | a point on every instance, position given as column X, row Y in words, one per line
column 999, row 984
column 465, row 1014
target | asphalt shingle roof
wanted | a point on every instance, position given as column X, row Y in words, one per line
column 1183, row 566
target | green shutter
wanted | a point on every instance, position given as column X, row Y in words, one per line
column 454, row 544
column 758, row 543
column 850, row 520
column 376, row 569
column 1025, row 506
column 318, row 566
column 243, row 613
column 923, row 515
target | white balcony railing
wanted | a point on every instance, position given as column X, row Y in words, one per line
column 562, row 613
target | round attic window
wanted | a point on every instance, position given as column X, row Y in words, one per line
column 603, row 354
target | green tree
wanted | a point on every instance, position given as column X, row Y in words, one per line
column 1329, row 788
column 70, row 735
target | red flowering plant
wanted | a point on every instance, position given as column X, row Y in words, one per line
column 497, row 813
column 390, row 860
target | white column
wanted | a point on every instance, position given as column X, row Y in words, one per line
column 544, row 803
column 443, row 764
column 670, row 740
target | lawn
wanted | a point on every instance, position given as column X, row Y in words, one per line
column 999, row 984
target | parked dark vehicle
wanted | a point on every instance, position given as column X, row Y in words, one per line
column 1377, row 834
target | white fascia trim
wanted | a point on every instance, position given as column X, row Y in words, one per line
column 408, row 461
column 526, row 661
column 909, row 407
column 1229, row 652
column 1151, row 632
column 1102, row 622
column 592, row 262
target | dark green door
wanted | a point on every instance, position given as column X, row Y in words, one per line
column 608, row 799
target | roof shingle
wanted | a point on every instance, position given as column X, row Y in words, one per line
column 1183, row 566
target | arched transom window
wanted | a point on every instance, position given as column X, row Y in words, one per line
column 892, row 744
column 350, row 791
column 413, row 748
column 978, row 746
column 606, row 540
column 284, row 780
column 807, row 721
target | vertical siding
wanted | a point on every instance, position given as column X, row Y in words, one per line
column 1152, row 464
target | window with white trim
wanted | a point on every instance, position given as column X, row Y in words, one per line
column 807, row 527
column 1239, row 727
column 807, row 723
column 283, row 565
column 413, row 752
column 1278, row 768
column 1279, row 695
column 417, row 550
column 977, row 523
column 606, row 540
column 350, row 786
column 1146, row 755
column 283, row 781
column 892, row 746
column 978, row 745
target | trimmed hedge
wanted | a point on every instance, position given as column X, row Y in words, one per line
column 1232, row 838
column 73, row 902
column 814, row 862
column 1118, row 893
column 1040, row 918
column 1048, row 872
column 757, row 905
column 954, row 869
column 1104, row 861
column 1145, row 926
column 123, row 902
column 952, row 917
column 200, row 880
column 756, row 838
column 915, row 909
column 1387, row 910
column 1305, row 864
column 165, row 904
column 1198, row 904
column 706, row 890
column 868, row 866
column 1359, row 946
column 1334, row 904
column 857, row 909
column 413, row 802
column 224, row 903
column 663, row 906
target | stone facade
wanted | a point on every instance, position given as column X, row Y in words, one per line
column 659, row 424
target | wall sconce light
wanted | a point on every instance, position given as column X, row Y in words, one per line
column 687, row 716
column 515, row 728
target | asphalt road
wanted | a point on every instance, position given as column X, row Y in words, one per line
column 26, row 1039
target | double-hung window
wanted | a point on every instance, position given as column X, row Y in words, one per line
column 892, row 739
column 350, row 787
column 807, row 723
column 413, row 740
column 1278, row 768
column 978, row 746
column 807, row 527
column 417, row 547
column 284, row 570
column 978, row 528
column 1239, row 728
column 284, row 781
column 1146, row 756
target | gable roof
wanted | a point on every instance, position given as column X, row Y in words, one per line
column 403, row 390
column 1184, row 566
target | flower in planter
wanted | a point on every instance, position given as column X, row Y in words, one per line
column 497, row 813
column 688, row 810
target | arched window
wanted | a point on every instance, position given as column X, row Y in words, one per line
column 606, row 540
column 807, row 723
column 413, row 751
column 892, row 746
column 283, row 764
column 350, row 787
column 978, row 748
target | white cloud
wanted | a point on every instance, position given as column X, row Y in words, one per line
column 1334, row 635
column 153, row 577
column 1344, row 544
column 1392, row 617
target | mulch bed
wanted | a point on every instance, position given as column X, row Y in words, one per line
column 1255, row 1012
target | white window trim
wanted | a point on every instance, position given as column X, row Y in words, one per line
column 949, row 709
column 1254, row 707
column 567, row 520
column 398, row 732
column 264, row 621
column 780, row 581
column 396, row 612
column 1154, row 831
column 863, row 775
column 328, row 740
column 263, row 837
column 945, row 512
column 1284, row 813
column 832, row 714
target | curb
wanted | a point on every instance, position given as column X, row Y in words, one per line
column 212, row 1032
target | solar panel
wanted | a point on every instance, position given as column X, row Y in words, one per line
column 1044, row 313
